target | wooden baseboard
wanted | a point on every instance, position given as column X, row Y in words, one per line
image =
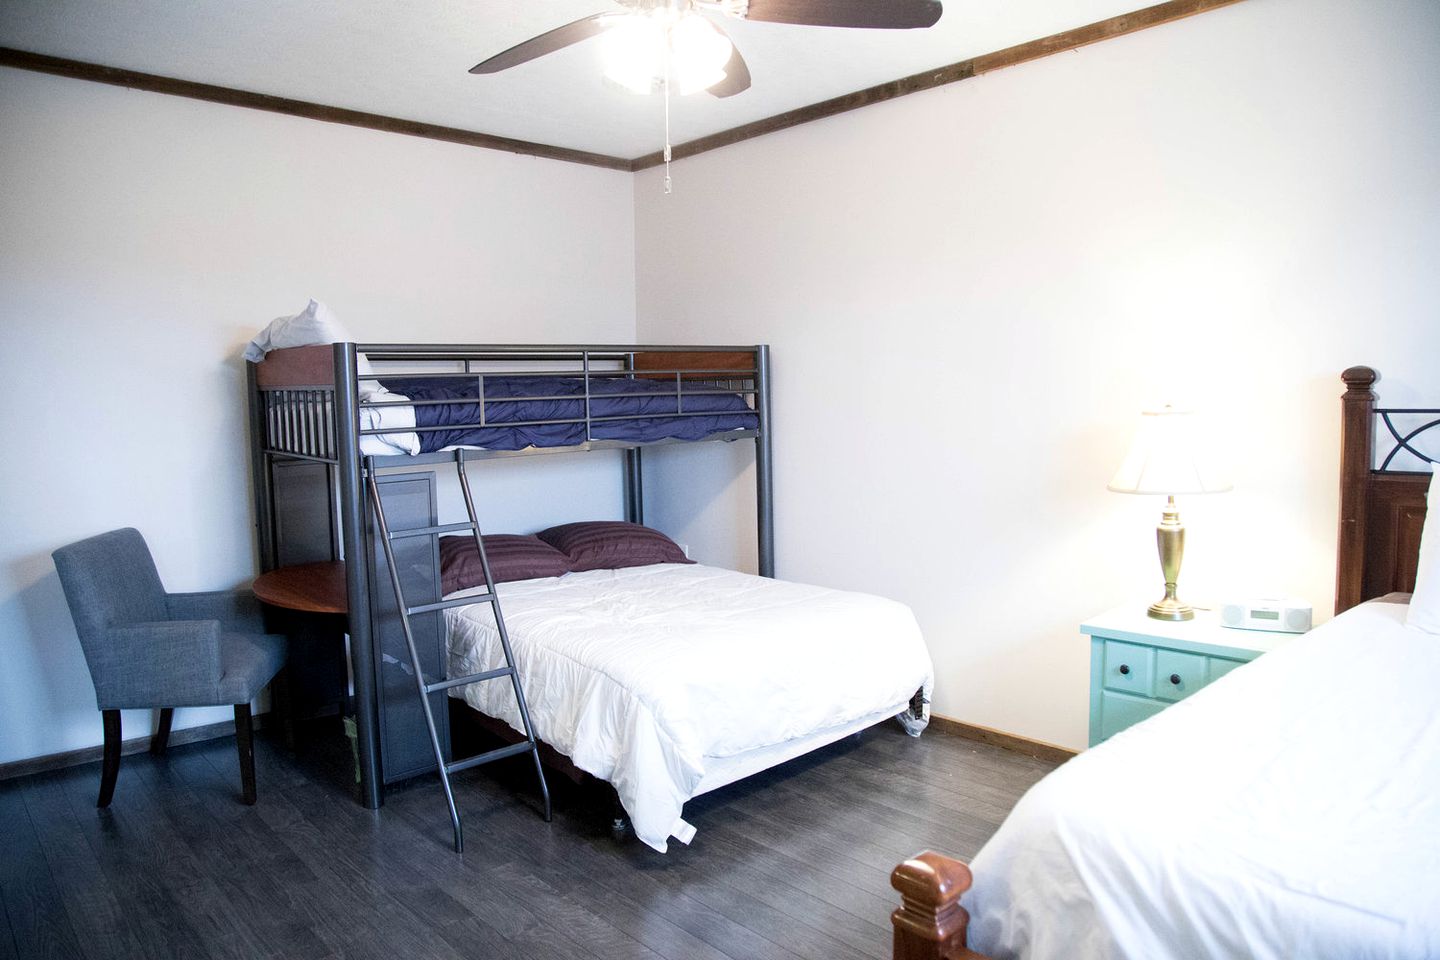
column 74, row 758
column 999, row 738
column 226, row 728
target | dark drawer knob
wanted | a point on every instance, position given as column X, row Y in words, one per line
column 1175, row 679
column 1124, row 669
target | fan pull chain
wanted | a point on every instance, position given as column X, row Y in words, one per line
column 665, row 58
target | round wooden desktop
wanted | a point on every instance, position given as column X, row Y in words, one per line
column 307, row 587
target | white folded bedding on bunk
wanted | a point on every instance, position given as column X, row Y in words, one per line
column 395, row 413
column 1290, row 809
column 655, row 677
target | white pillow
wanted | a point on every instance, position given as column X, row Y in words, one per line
column 317, row 323
column 1425, row 604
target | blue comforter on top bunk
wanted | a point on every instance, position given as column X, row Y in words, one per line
column 656, row 412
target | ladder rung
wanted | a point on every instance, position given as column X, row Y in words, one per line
column 468, row 678
column 430, row 531
column 515, row 749
column 452, row 602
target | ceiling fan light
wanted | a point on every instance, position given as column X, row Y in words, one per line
column 698, row 53
column 632, row 52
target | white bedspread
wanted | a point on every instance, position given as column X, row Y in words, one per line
column 1289, row 810
column 643, row 674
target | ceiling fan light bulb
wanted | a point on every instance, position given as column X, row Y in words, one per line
column 632, row 53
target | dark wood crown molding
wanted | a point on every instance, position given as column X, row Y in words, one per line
column 1118, row 26
column 154, row 83
column 965, row 69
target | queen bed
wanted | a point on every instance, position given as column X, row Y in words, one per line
column 669, row 680
column 1289, row 809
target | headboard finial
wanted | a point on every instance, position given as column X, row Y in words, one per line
column 1359, row 379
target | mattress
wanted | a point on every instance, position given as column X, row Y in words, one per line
column 1290, row 809
column 535, row 411
column 657, row 677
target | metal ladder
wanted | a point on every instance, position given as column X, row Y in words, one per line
column 425, row 688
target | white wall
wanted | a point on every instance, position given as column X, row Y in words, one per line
column 972, row 291
column 145, row 238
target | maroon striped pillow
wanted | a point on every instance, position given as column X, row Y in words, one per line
column 611, row 544
column 511, row 557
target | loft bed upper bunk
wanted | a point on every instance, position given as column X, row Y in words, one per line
column 325, row 420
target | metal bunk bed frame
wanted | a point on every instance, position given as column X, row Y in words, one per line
column 305, row 407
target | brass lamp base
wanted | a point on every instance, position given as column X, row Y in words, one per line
column 1170, row 538
column 1171, row 609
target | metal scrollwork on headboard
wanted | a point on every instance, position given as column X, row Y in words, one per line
column 1404, row 438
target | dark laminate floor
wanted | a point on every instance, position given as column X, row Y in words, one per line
column 792, row 863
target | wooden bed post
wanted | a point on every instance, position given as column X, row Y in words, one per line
column 930, row 925
column 1357, row 425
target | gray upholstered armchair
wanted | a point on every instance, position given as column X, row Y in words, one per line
column 147, row 648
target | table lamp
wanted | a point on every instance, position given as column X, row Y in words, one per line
column 1169, row 456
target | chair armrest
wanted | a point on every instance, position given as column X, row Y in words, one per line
column 238, row 610
column 169, row 663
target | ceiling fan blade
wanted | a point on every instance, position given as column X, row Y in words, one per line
column 737, row 73
column 548, row 42
column 876, row 14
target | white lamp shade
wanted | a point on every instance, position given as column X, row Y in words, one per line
column 1170, row 455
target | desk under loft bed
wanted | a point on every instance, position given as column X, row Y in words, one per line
column 320, row 436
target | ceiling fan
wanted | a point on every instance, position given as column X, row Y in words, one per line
column 655, row 43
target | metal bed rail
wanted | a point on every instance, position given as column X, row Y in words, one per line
column 301, row 422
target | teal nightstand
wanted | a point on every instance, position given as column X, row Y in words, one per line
column 1139, row 666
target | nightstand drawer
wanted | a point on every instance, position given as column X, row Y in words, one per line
column 1118, row 711
column 1177, row 675
column 1129, row 667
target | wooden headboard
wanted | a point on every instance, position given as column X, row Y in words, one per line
column 1381, row 511
column 697, row 364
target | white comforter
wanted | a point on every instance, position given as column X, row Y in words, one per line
column 644, row 674
column 394, row 412
column 1289, row 810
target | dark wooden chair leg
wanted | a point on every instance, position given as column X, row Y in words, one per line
column 110, row 766
column 161, row 740
column 245, row 744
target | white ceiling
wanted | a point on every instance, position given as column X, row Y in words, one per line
column 409, row 58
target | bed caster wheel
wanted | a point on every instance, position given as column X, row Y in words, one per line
column 620, row 829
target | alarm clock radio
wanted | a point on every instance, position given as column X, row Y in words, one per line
column 1278, row 616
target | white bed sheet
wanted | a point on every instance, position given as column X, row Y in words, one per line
column 650, row 677
column 1291, row 809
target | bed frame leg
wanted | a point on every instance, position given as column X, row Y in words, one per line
column 930, row 924
column 621, row 830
